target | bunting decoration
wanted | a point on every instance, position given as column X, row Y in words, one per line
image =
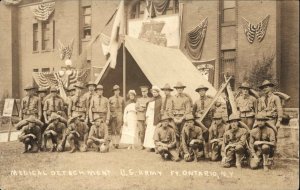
column 65, row 51
column 157, row 7
column 195, row 40
column 43, row 11
column 259, row 30
column 12, row 2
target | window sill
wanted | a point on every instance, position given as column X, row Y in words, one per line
column 86, row 39
column 35, row 52
column 232, row 23
column 46, row 50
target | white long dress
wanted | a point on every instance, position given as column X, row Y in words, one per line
column 149, row 142
column 129, row 125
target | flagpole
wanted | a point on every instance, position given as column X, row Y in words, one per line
column 124, row 51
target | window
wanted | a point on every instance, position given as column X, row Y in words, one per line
column 139, row 8
column 45, row 69
column 228, row 11
column 87, row 22
column 228, row 60
column 35, row 32
column 35, row 70
column 45, row 36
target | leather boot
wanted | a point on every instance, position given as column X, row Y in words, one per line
column 266, row 162
column 238, row 161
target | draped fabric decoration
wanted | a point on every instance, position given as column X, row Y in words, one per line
column 60, row 78
column 12, row 2
column 157, row 7
column 105, row 41
column 65, row 51
column 259, row 30
column 43, row 11
column 195, row 40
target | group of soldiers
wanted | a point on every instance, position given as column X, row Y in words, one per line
column 248, row 136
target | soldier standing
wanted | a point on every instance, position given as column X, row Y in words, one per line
column 78, row 104
column 192, row 142
column 262, row 143
column 54, row 131
column 117, row 105
column 99, row 106
column 198, row 110
column 141, row 107
column 270, row 103
column 246, row 105
column 98, row 135
column 30, row 104
column 234, row 143
column 31, row 134
column 216, row 133
column 181, row 105
column 76, row 134
column 53, row 104
column 165, row 140
column 88, row 97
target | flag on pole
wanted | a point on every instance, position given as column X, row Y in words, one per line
column 117, row 30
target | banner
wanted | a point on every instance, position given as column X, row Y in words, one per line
column 163, row 30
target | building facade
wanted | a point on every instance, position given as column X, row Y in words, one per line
column 33, row 45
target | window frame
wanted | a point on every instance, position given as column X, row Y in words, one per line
column 35, row 37
column 84, row 26
column 228, row 23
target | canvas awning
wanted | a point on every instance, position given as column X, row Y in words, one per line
column 163, row 65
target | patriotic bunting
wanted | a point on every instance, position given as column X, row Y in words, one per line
column 43, row 11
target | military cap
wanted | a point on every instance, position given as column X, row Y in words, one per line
column 31, row 119
column 234, row 117
column 155, row 88
column 73, row 118
column 261, row 116
column 165, row 117
column 189, row 117
column 217, row 116
column 79, row 85
column 201, row 87
column 245, row 85
column 98, row 118
column 266, row 83
column 53, row 117
column 132, row 92
column 179, row 85
column 29, row 87
column 99, row 87
column 90, row 83
column 116, row 87
column 167, row 87
column 42, row 89
column 53, row 89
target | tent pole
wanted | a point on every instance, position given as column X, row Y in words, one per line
column 124, row 71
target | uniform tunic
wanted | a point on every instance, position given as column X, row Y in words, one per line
column 31, row 105
column 99, row 107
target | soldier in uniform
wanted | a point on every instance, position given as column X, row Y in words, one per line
column 99, row 106
column 181, row 105
column 53, row 104
column 234, row 142
column 216, row 133
column 54, row 131
column 76, row 134
column 141, row 107
column 98, row 135
column 166, row 108
column 31, row 134
column 78, row 104
column 262, row 143
column 165, row 140
column 246, row 105
column 88, row 97
column 192, row 142
column 198, row 110
column 117, row 105
column 270, row 103
column 42, row 94
column 30, row 104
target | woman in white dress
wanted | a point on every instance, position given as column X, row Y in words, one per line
column 130, row 122
column 152, row 118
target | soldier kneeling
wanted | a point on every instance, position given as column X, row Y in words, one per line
column 98, row 135
column 216, row 133
column 165, row 140
column 54, row 131
column 262, row 143
column 192, row 142
column 76, row 135
column 235, row 142
column 31, row 134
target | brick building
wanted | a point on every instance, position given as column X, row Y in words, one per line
column 30, row 45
